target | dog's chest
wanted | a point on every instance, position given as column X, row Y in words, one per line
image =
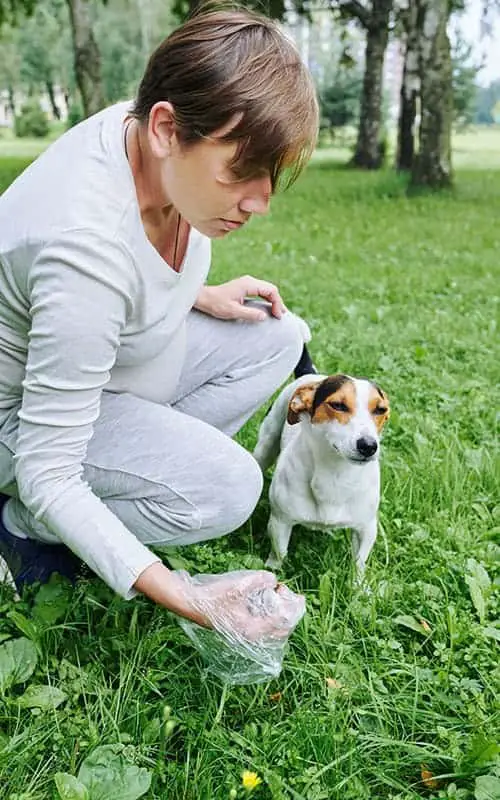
column 317, row 497
column 335, row 501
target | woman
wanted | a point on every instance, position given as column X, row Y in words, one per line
column 122, row 375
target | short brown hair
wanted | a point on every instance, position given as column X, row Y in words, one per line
column 236, row 64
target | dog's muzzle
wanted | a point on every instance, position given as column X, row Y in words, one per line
column 366, row 447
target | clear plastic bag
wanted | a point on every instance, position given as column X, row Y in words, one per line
column 252, row 617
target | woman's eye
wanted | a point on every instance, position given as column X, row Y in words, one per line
column 379, row 411
column 235, row 174
column 240, row 175
column 338, row 406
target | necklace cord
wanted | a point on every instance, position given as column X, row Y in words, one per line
column 177, row 230
column 176, row 239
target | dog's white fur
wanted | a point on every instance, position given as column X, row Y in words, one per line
column 320, row 481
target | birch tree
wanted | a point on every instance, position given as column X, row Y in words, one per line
column 375, row 19
column 432, row 164
column 410, row 87
column 87, row 59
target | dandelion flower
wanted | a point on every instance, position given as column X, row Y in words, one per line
column 250, row 780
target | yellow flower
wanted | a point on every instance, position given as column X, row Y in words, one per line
column 250, row 780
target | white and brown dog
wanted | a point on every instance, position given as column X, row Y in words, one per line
column 324, row 432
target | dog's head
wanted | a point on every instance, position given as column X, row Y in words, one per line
column 349, row 413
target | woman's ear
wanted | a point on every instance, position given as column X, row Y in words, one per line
column 162, row 129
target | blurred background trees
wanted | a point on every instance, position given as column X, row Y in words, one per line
column 392, row 75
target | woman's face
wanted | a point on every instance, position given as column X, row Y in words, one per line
column 197, row 179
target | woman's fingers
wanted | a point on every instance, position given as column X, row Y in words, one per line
column 257, row 579
column 249, row 313
column 268, row 291
column 249, row 606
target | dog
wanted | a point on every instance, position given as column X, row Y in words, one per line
column 324, row 432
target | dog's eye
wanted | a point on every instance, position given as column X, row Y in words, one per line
column 339, row 406
column 379, row 411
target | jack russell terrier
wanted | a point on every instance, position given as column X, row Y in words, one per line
column 324, row 432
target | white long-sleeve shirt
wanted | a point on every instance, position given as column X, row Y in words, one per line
column 86, row 303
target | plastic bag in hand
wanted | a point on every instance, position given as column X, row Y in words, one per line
column 252, row 617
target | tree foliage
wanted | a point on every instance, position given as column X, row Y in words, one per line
column 339, row 102
column 37, row 56
column 275, row 9
column 464, row 77
column 487, row 109
column 12, row 10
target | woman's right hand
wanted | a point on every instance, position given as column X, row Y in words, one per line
column 224, row 601
column 247, row 604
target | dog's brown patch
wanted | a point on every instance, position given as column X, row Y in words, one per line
column 378, row 404
column 335, row 400
column 301, row 400
column 328, row 386
column 314, row 399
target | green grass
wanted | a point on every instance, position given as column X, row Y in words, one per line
column 403, row 291
column 476, row 147
column 29, row 147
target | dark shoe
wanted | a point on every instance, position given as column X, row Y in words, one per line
column 30, row 561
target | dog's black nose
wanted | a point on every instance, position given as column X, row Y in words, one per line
column 366, row 446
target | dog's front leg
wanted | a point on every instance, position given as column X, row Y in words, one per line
column 279, row 530
column 363, row 539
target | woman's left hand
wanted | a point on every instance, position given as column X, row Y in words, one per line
column 227, row 301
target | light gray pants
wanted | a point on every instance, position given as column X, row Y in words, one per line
column 172, row 474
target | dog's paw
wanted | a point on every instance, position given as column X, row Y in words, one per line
column 273, row 562
column 360, row 584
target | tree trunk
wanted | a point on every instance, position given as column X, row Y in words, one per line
column 67, row 100
column 55, row 108
column 410, row 88
column 432, row 166
column 87, row 57
column 11, row 100
column 368, row 153
column 406, row 125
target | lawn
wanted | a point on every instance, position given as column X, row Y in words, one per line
column 389, row 693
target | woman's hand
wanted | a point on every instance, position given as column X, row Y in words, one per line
column 227, row 301
column 247, row 605
column 223, row 601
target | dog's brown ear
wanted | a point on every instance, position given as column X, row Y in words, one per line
column 381, row 402
column 386, row 397
column 301, row 400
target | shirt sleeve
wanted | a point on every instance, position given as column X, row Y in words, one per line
column 81, row 290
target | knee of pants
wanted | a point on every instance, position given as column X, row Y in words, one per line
column 235, row 494
column 220, row 501
column 287, row 336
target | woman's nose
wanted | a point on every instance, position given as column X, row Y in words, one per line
column 257, row 198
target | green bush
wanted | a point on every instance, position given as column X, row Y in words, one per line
column 75, row 115
column 339, row 102
column 32, row 121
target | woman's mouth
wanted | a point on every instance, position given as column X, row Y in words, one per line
column 230, row 225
